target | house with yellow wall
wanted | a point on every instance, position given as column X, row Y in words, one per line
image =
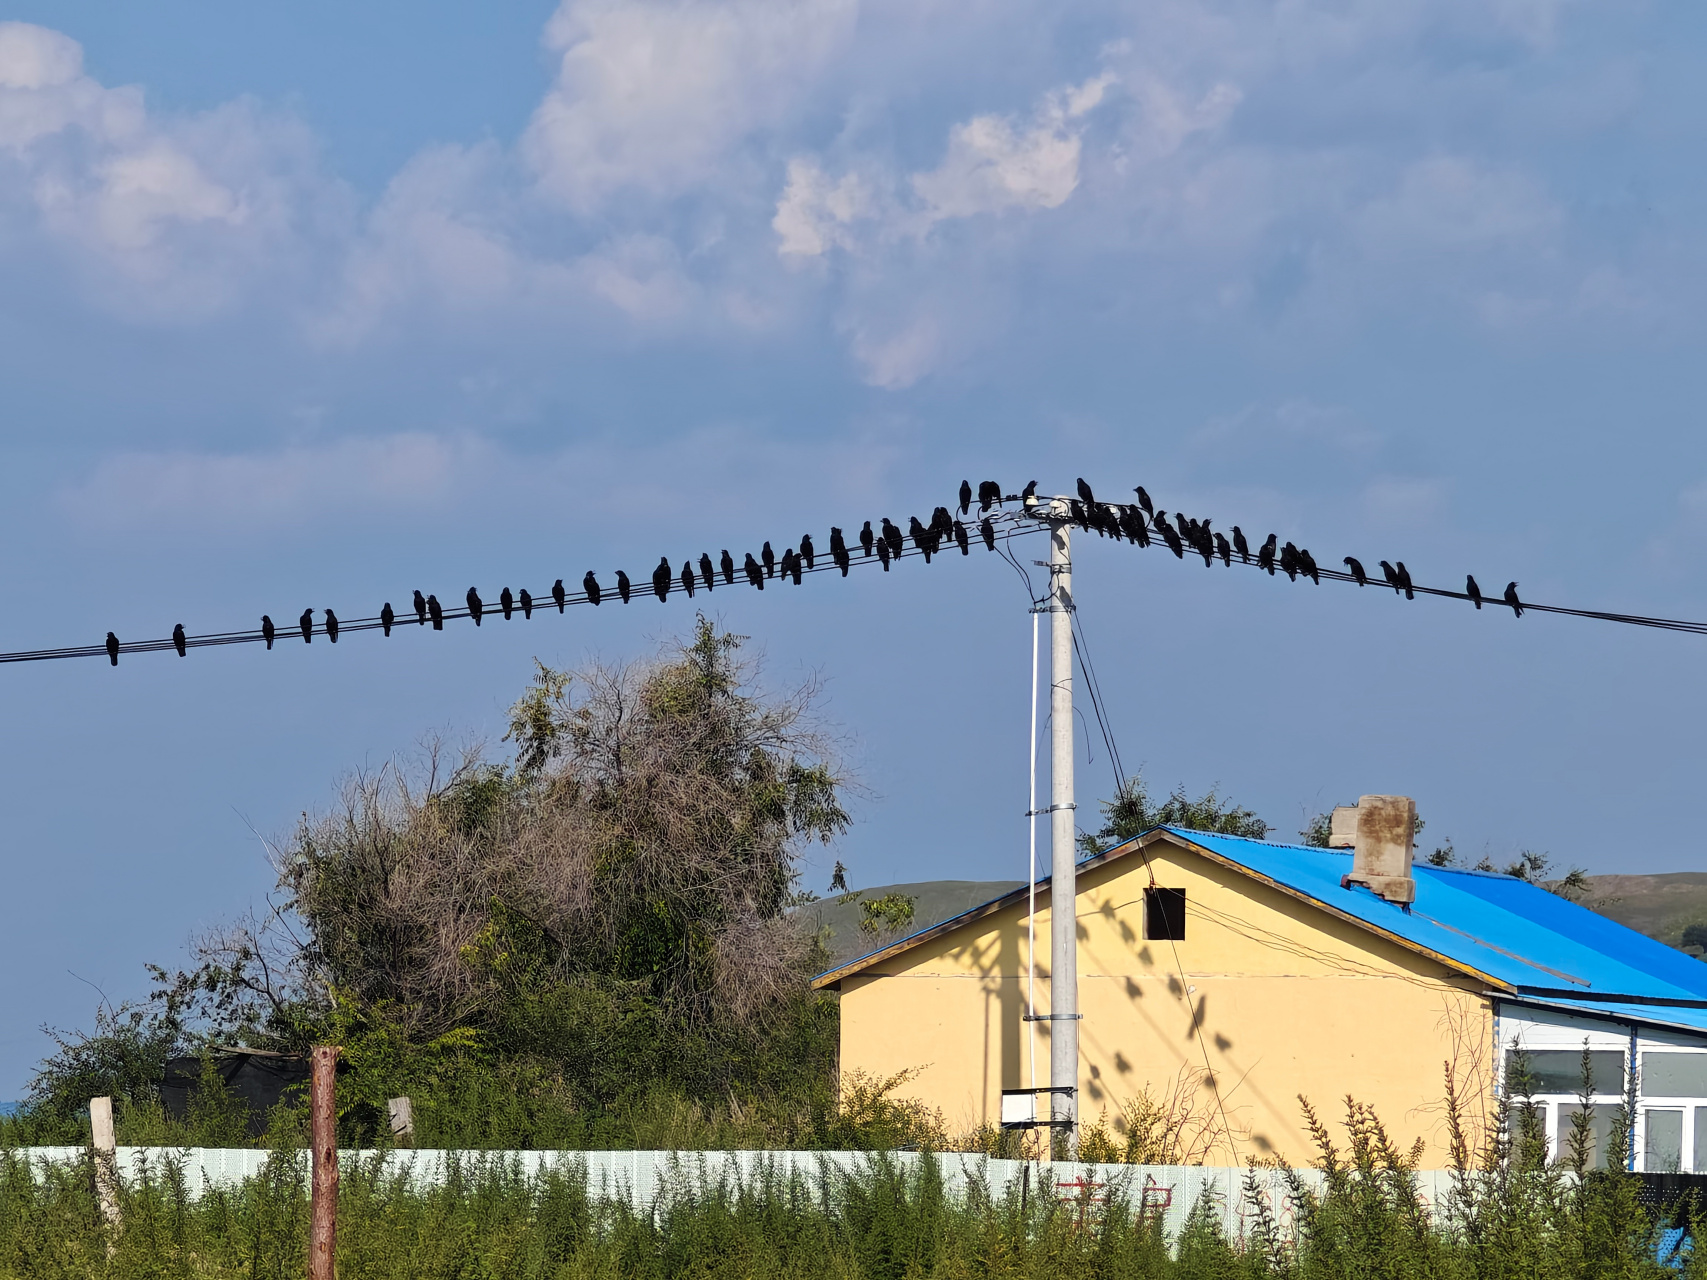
column 1236, row 976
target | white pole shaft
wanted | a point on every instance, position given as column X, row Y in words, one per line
column 1031, row 903
column 1063, row 892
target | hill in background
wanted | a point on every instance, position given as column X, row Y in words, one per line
column 1660, row 906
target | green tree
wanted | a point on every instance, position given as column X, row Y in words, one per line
column 1133, row 812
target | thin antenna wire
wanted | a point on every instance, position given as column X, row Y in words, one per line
column 1031, row 904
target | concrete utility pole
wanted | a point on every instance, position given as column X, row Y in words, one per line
column 1063, row 888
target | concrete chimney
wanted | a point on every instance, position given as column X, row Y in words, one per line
column 1379, row 830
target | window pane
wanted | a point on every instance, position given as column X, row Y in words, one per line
column 1674, row 1075
column 1164, row 913
column 1561, row 1071
column 1700, row 1165
column 1662, row 1141
column 1599, row 1133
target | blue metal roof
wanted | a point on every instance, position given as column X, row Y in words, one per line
column 1545, row 949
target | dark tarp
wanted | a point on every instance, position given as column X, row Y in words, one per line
column 259, row 1079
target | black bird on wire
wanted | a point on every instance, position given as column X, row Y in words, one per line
column 1241, row 546
column 866, row 538
column 769, row 557
column 436, row 611
column 1404, row 579
column 806, row 552
column 755, row 575
column 1133, row 525
column 661, row 578
column 420, row 609
column 178, row 639
column 267, row 631
column 475, row 607
column 883, row 553
column 965, row 496
column 1170, row 535
column 687, row 577
column 624, row 587
column 306, row 622
column 1085, row 494
column 1289, row 561
column 961, row 540
column 1512, row 600
column 728, row 565
column 1307, row 565
column 527, row 605
column 1029, row 493
column 1391, row 574
column 1224, row 549
column 987, row 531
column 942, row 525
column 989, row 493
column 589, row 584
column 559, row 595
column 1265, row 555
column 113, row 648
column 1144, row 501
column 839, row 549
column 785, row 563
column 1472, row 590
column 707, row 572
column 386, row 617
column 794, row 565
column 892, row 535
column 921, row 536
column 332, row 626
column 506, row 602
column 1357, row 572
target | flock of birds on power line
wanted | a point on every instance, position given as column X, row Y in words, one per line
column 995, row 519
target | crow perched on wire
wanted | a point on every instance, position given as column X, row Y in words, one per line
column 965, row 496
column 794, row 565
column 961, row 540
column 728, row 566
column 806, row 549
column 113, row 648
column 989, row 493
column 1027, row 494
column 1241, row 546
column 386, row 618
column 178, row 639
column 1357, row 572
column 785, row 565
column 1169, row 534
column 1307, row 566
column 769, row 557
column 1472, row 590
column 921, row 536
column 1391, row 574
column 687, row 577
column 1512, row 600
column 1144, row 501
column 1224, row 550
column 839, row 549
column 267, row 630
column 1081, row 517
column 306, row 624
column 942, row 525
column 527, row 605
column 892, row 535
column 866, row 538
column 707, row 572
column 1289, row 561
column 506, row 602
column 558, row 594
column 987, row 531
column 1404, row 579
column 1265, row 555
column 332, row 626
column 661, row 578
column 589, row 584
column 434, row 609
column 475, row 607
column 624, row 587
column 1085, row 494
column 420, row 609
column 883, row 556
column 755, row 574
column 1206, row 544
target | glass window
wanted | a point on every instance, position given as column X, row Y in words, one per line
column 1662, row 1140
column 1561, row 1071
column 1700, row 1165
column 1674, row 1075
column 1164, row 913
column 1598, row 1135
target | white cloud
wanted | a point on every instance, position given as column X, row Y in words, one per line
column 653, row 95
column 898, row 358
column 815, row 212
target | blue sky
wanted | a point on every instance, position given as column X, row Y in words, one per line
column 310, row 305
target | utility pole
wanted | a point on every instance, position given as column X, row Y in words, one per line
column 1063, row 887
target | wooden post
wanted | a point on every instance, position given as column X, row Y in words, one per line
column 402, row 1113
column 323, row 1139
column 106, row 1152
